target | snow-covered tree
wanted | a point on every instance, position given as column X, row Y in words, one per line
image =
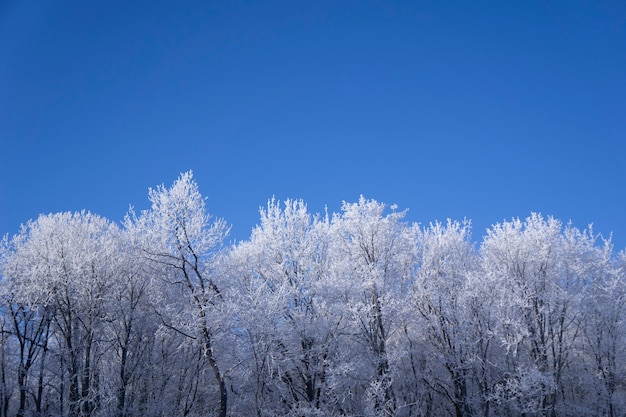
column 538, row 270
column 373, row 263
column 603, row 323
column 443, row 296
column 285, row 309
column 57, row 272
column 182, row 243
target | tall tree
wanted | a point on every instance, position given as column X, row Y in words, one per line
column 283, row 276
column 374, row 257
column 603, row 325
column 130, row 329
column 447, row 260
column 182, row 242
column 540, row 308
column 58, row 273
column 29, row 314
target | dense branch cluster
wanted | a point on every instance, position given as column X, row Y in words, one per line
column 358, row 313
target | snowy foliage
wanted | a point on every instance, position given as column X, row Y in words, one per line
column 356, row 313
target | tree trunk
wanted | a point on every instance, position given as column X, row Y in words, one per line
column 219, row 378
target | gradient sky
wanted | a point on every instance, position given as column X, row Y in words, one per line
column 478, row 110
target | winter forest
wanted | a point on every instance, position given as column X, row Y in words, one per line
column 356, row 313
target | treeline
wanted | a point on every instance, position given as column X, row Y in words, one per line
column 359, row 313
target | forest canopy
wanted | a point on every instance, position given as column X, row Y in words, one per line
column 356, row 313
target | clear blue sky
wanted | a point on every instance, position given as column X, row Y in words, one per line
column 478, row 110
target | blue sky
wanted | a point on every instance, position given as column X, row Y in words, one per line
column 478, row 110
